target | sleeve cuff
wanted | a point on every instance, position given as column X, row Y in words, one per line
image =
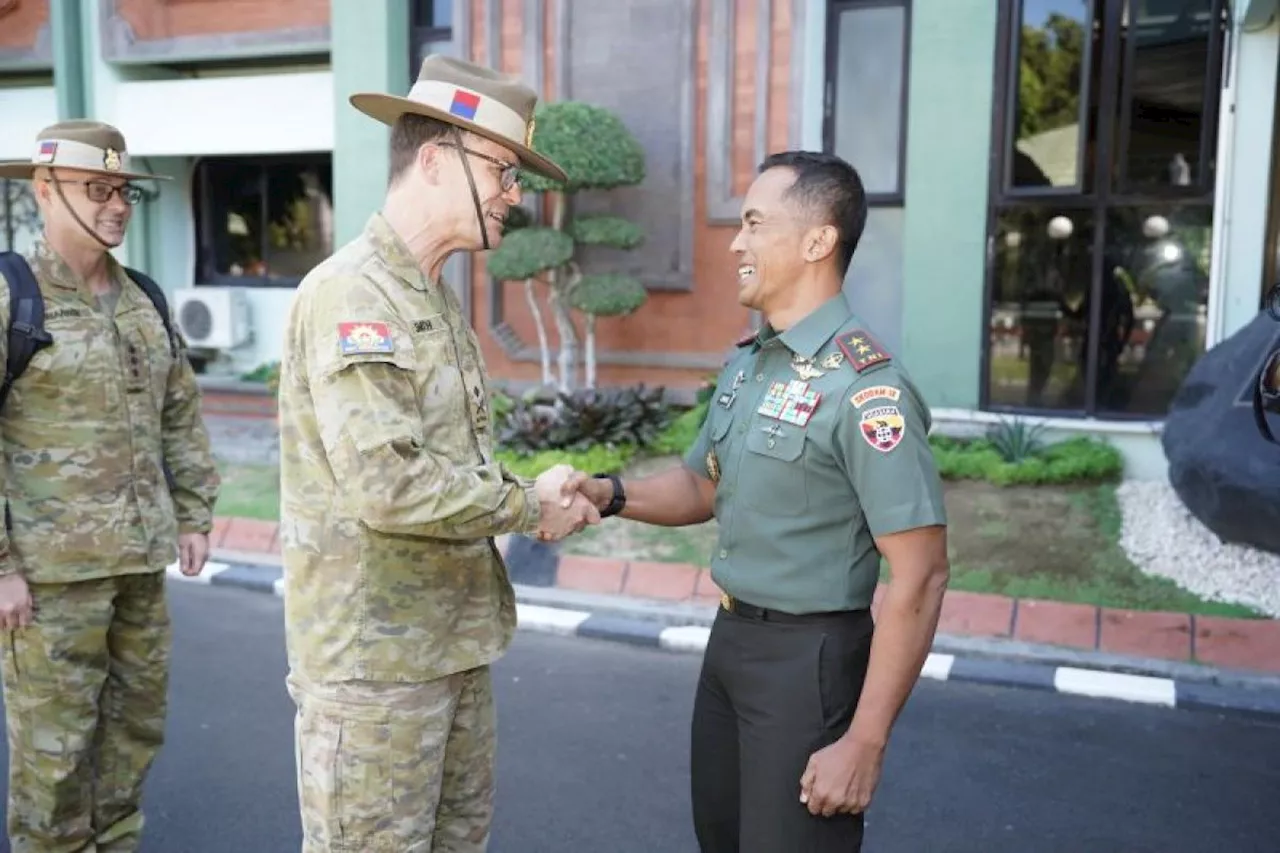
column 905, row 517
column 531, row 513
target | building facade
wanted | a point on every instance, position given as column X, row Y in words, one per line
column 1071, row 199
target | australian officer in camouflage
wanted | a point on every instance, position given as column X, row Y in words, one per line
column 814, row 459
column 396, row 598
column 107, row 475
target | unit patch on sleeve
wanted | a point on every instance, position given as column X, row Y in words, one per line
column 365, row 338
column 875, row 392
column 882, row 427
column 861, row 350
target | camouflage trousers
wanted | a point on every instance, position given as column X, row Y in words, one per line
column 395, row 768
column 85, row 691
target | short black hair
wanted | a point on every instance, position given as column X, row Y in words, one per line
column 832, row 189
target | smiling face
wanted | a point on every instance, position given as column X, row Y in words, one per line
column 95, row 199
column 771, row 244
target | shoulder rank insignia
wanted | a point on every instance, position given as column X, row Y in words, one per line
column 364, row 338
column 861, row 349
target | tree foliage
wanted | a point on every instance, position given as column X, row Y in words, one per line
column 591, row 144
column 607, row 294
column 1049, row 74
column 529, row 252
column 612, row 231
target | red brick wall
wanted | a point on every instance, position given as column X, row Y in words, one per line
column 164, row 19
column 20, row 22
column 706, row 319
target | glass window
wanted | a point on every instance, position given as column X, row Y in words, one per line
column 263, row 222
column 1099, row 277
column 866, row 98
column 1052, row 71
column 867, row 93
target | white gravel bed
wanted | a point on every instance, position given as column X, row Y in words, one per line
column 1163, row 539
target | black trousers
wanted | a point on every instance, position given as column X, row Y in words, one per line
column 772, row 692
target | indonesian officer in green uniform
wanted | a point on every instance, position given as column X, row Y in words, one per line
column 815, row 461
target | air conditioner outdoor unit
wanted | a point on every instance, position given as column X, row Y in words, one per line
column 212, row 317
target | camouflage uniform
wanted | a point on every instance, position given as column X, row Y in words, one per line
column 396, row 597
column 87, row 433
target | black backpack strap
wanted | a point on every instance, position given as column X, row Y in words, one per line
column 156, row 294
column 27, row 335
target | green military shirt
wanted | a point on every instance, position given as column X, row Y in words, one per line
column 89, row 430
column 390, row 493
column 818, row 442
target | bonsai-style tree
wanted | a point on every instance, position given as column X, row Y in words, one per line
column 597, row 152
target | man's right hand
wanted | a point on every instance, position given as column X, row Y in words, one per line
column 561, row 515
column 15, row 602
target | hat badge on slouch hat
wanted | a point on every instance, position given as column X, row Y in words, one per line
column 473, row 98
column 82, row 144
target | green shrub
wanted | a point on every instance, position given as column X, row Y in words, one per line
column 680, row 435
column 605, row 460
column 1076, row 460
column 583, row 419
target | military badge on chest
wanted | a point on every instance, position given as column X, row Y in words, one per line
column 791, row 402
column 726, row 399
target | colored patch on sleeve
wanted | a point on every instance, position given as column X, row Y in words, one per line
column 875, row 392
column 862, row 350
column 882, row 427
column 365, row 338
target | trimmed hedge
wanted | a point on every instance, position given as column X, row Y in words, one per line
column 1075, row 460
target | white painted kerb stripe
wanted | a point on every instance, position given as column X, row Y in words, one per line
column 1116, row 685
column 937, row 666
column 684, row 638
column 210, row 569
column 549, row 620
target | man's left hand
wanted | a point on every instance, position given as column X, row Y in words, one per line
column 193, row 551
column 841, row 778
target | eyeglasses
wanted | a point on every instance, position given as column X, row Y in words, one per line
column 510, row 173
column 100, row 192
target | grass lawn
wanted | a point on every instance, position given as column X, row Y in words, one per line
column 1057, row 543
column 249, row 491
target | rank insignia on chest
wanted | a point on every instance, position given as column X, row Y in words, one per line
column 882, row 427
column 364, row 338
column 790, row 402
column 861, row 350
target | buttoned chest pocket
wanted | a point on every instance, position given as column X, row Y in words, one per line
column 67, row 378
column 772, row 479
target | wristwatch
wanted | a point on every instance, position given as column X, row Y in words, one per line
column 619, row 496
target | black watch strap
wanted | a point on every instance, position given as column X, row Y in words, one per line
column 619, row 496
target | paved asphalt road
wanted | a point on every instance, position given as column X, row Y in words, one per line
column 593, row 757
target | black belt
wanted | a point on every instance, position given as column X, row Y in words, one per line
column 738, row 607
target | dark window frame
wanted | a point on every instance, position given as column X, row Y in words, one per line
column 421, row 33
column 1103, row 196
column 831, row 61
column 8, row 209
column 206, row 262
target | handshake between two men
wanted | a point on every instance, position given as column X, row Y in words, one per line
column 570, row 501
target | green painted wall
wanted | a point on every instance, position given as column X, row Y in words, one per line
column 68, row 57
column 370, row 53
column 948, row 148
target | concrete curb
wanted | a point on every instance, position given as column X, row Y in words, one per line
column 686, row 629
